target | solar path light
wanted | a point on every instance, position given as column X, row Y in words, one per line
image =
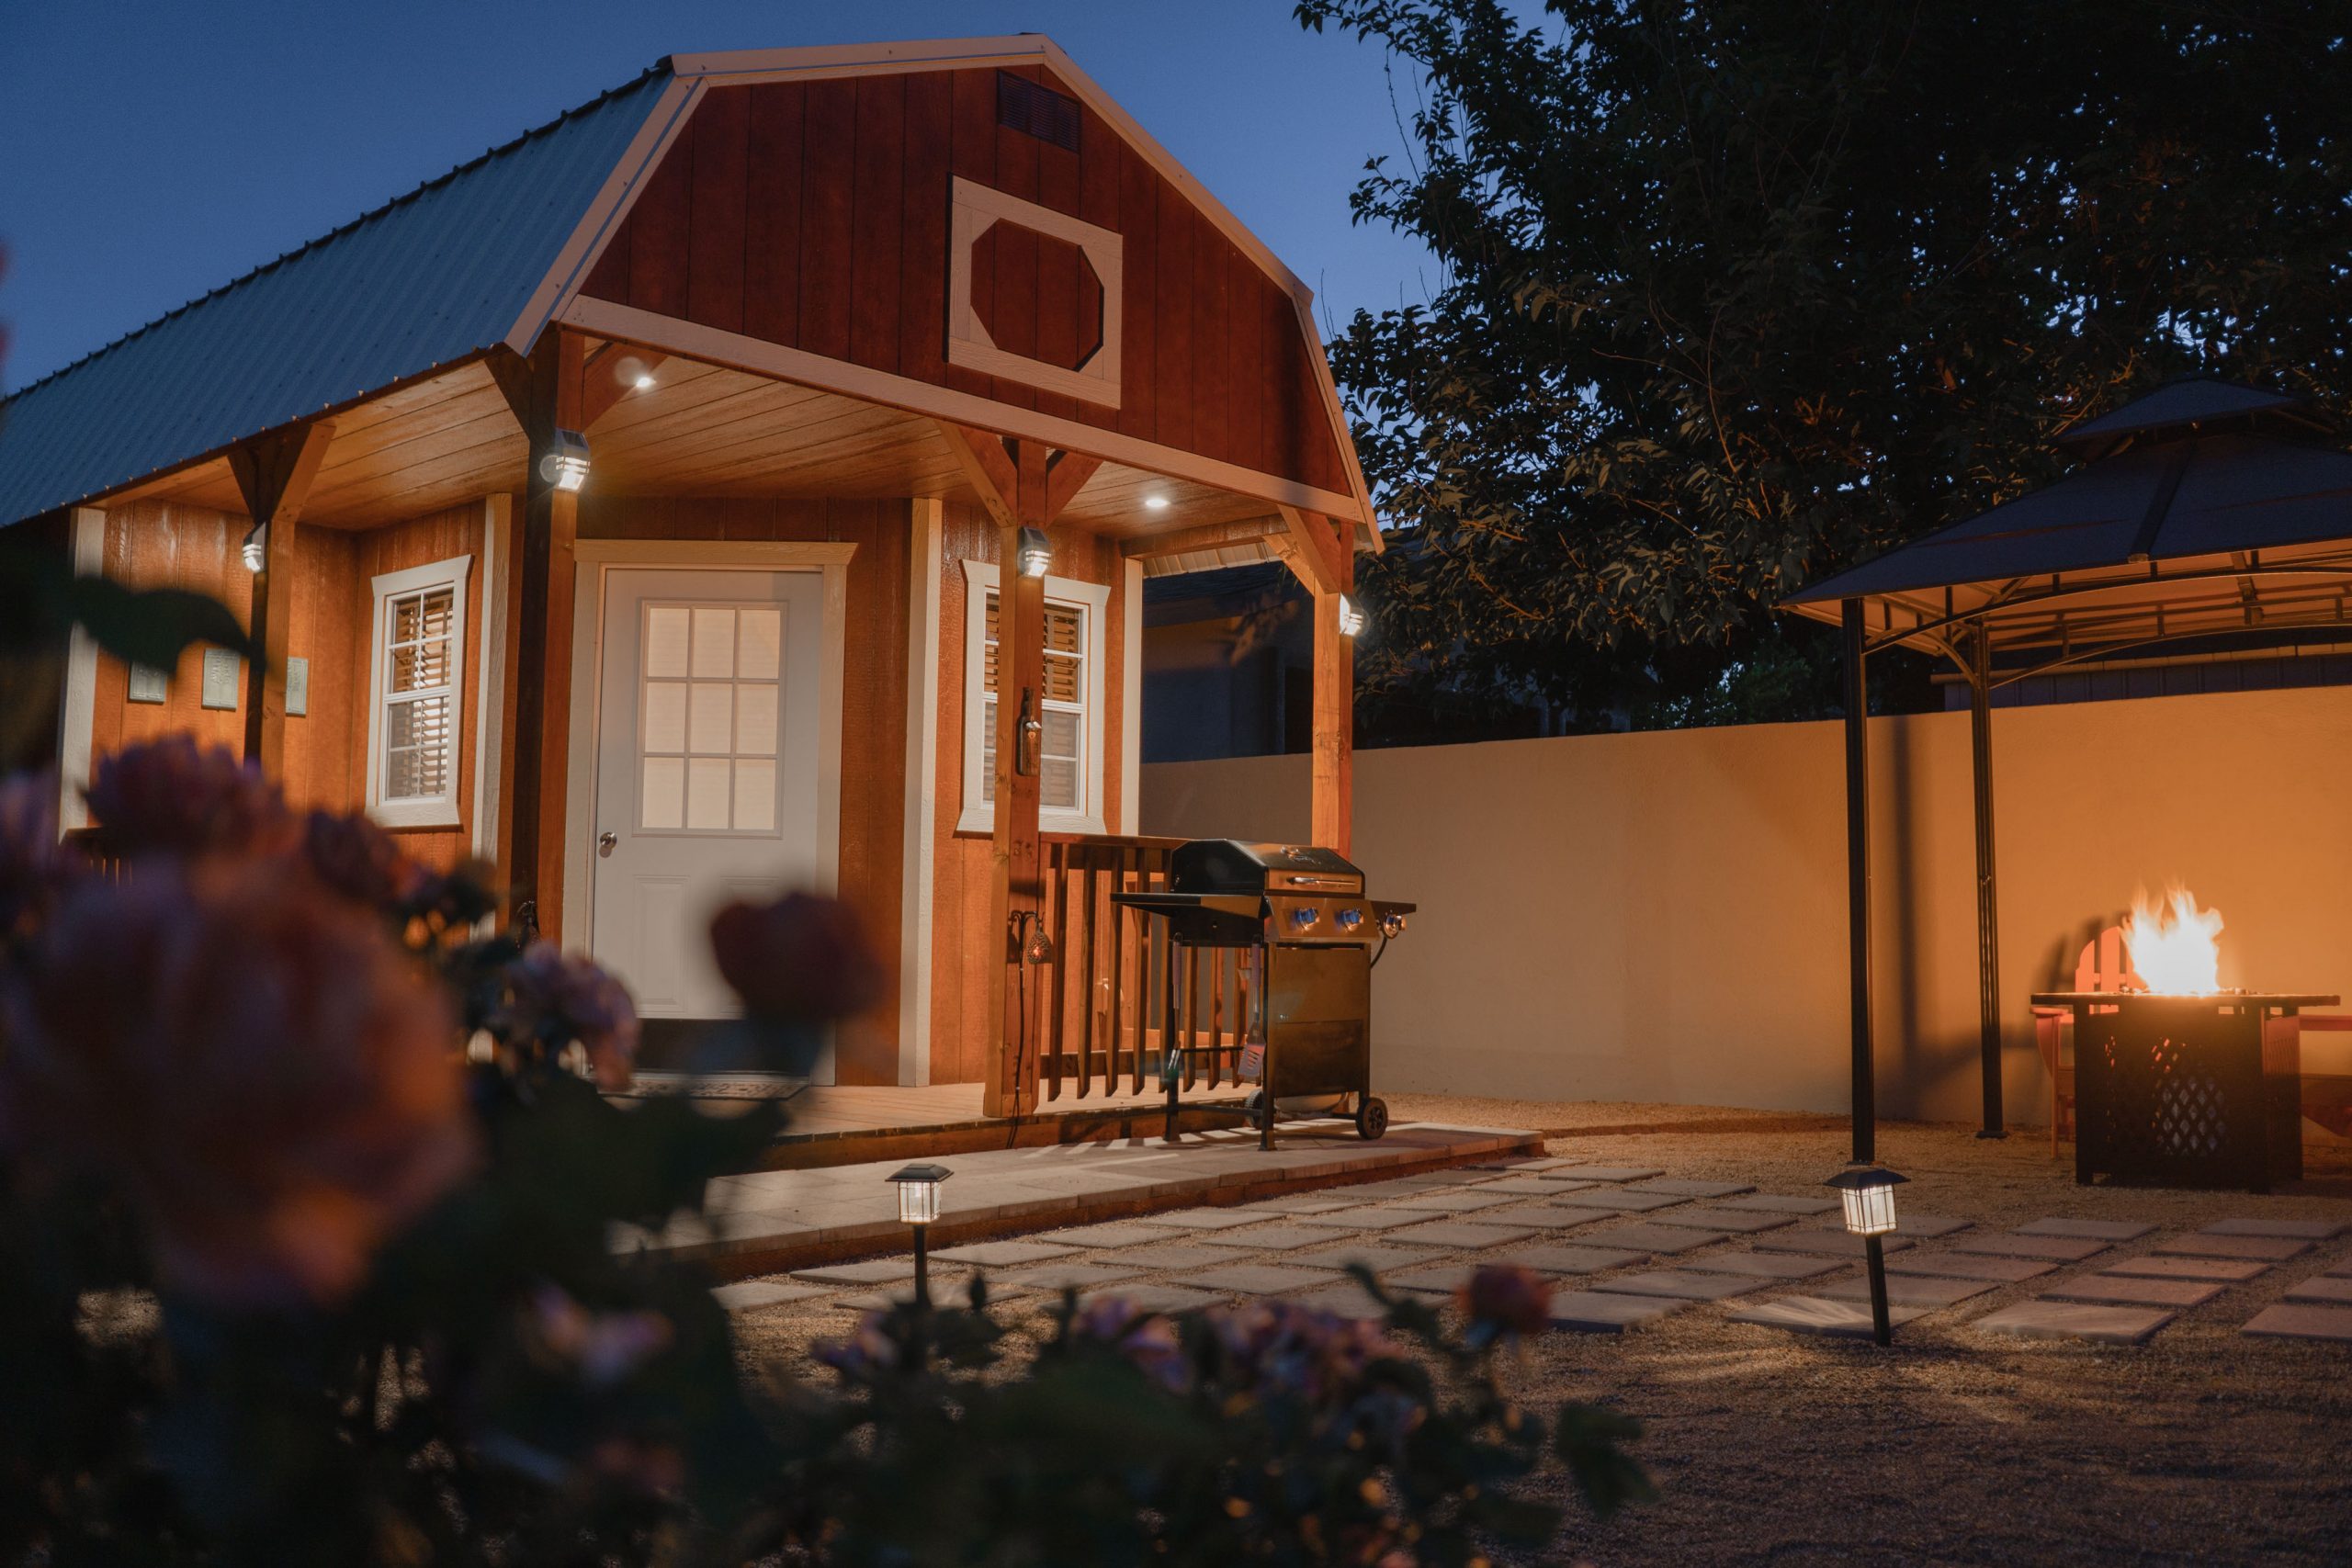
column 1868, row 1195
column 918, row 1206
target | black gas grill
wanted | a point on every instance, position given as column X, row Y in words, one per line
column 1305, row 934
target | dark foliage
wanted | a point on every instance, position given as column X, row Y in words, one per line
column 1734, row 294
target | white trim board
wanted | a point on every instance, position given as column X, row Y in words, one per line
column 927, row 551
column 737, row 351
column 78, row 708
column 433, row 811
column 490, row 691
column 1130, row 700
column 975, row 815
column 973, row 209
column 595, row 558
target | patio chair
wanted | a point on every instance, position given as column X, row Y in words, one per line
column 2105, row 964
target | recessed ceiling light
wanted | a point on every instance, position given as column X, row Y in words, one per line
column 645, row 380
column 1155, row 503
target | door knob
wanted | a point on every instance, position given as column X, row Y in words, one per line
column 605, row 841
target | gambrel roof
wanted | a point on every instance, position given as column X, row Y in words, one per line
column 595, row 220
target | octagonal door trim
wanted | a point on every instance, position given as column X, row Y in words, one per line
column 974, row 210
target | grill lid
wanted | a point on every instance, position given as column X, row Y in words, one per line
column 1228, row 865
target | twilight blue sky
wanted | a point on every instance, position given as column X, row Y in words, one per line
column 155, row 148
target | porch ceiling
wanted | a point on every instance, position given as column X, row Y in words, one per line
column 700, row 431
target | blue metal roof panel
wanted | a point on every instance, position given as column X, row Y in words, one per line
column 434, row 277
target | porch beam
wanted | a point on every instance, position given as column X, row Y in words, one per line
column 1208, row 536
column 547, row 392
column 274, row 475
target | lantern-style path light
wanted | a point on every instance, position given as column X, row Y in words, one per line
column 918, row 1206
column 1869, row 1193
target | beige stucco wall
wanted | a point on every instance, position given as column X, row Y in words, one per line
column 1661, row 917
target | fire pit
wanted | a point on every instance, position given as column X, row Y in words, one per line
column 2176, row 1079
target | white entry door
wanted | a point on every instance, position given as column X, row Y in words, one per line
column 708, row 736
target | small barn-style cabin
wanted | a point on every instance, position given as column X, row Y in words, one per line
column 643, row 507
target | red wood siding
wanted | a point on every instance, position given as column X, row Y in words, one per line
column 814, row 215
column 157, row 544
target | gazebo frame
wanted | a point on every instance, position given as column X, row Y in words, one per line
column 2203, row 509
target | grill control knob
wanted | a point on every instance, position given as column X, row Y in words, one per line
column 1305, row 916
column 1350, row 918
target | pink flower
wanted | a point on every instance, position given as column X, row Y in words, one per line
column 170, row 796
column 256, row 1064
column 1145, row 1338
column 603, row 1346
column 1506, row 1299
column 350, row 855
column 865, row 1351
column 799, row 960
column 1283, row 1347
column 35, row 866
column 559, row 999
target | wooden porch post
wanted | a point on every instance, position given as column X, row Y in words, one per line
column 546, row 394
column 1023, row 485
column 1316, row 551
column 274, row 475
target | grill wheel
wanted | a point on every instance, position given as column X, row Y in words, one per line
column 1372, row 1118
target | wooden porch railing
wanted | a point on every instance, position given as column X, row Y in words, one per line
column 1115, row 982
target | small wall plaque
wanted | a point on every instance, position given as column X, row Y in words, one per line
column 149, row 684
column 222, row 669
column 298, row 688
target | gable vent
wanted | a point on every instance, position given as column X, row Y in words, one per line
column 1022, row 106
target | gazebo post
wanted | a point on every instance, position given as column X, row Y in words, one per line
column 1988, row 922
column 1858, row 880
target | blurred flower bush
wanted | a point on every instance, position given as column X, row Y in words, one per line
column 307, row 1188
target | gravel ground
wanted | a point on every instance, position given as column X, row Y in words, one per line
column 2203, row 1446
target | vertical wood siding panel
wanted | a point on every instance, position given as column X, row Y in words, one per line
column 1099, row 183
column 1057, row 329
column 658, row 225
column 1015, row 319
column 1246, row 369
column 1139, row 222
column 972, row 156
column 772, row 227
column 923, row 288
column 878, row 217
column 715, row 243
column 830, row 163
column 1176, row 331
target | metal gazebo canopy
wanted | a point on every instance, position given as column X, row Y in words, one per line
column 2204, row 507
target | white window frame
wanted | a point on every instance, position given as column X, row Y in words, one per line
column 1092, row 601
column 429, row 811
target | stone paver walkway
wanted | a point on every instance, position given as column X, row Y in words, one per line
column 1687, row 1247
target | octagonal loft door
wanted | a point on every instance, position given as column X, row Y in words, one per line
column 706, row 768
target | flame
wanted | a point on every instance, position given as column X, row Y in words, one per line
column 2173, row 947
